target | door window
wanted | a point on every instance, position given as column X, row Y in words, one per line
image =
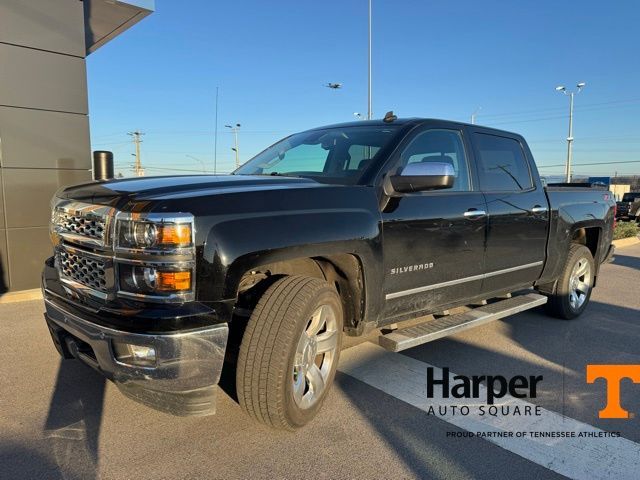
column 501, row 164
column 440, row 146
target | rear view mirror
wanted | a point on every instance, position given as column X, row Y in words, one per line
column 417, row 177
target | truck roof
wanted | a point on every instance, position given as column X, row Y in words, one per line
column 410, row 121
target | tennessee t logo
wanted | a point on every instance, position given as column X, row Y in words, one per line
column 613, row 374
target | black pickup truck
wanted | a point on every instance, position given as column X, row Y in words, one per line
column 627, row 208
column 161, row 283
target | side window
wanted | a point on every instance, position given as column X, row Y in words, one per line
column 442, row 146
column 501, row 164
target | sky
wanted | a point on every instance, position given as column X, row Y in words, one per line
column 270, row 62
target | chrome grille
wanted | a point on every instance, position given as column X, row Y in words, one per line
column 89, row 225
column 83, row 269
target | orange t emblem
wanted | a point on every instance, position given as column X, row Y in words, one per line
column 613, row 374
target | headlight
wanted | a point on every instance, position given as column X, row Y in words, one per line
column 155, row 256
column 161, row 234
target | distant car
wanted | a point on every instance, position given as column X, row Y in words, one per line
column 627, row 208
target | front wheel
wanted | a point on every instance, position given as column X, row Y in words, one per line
column 289, row 352
column 573, row 290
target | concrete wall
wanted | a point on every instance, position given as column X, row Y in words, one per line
column 44, row 127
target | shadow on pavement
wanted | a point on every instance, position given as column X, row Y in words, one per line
column 20, row 461
column 627, row 261
column 73, row 423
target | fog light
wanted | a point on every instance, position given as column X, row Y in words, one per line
column 154, row 280
column 136, row 355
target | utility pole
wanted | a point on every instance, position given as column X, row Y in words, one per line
column 235, row 128
column 215, row 136
column 562, row 89
column 137, row 168
column 370, row 107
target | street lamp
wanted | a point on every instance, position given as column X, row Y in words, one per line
column 235, row 128
column 563, row 89
column 198, row 160
column 474, row 115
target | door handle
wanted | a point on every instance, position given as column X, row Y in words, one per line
column 473, row 213
column 539, row 209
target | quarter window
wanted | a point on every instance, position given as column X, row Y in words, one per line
column 501, row 164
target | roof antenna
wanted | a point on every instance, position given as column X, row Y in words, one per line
column 389, row 117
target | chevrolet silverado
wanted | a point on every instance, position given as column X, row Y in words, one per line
column 161, row 283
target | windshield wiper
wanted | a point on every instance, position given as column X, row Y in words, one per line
column 277, row 174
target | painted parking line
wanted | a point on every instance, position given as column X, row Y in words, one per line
column 580, row 457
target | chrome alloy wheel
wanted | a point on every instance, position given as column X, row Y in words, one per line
column 579, row 283
column 315, row 355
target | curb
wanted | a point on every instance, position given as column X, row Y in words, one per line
column 626, row 242
column 21, row 296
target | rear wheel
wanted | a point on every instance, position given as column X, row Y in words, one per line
column 289, row 352
column 573, row 290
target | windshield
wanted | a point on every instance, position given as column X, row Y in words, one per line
column 630, row 197
column 332, row 155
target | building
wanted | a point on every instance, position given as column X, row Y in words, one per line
column 44, row 123
column 619, row 190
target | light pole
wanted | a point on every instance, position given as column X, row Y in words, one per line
column 234, row 129
column 215, row 137
column 563, row 89
column 198, row 160
column 369, row 101
column 474, row 115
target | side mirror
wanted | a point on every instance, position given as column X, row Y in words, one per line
column 417, row 177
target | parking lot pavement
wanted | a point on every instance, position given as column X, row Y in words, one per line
column 61, row 420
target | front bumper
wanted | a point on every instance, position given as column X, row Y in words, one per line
column 183, row 380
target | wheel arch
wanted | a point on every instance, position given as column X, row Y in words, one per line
column 342, row 270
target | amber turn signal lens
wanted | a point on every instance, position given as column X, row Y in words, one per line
column 176, row 234
column 173, row 281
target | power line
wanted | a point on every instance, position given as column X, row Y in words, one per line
column 589, row 164
column 558, row 109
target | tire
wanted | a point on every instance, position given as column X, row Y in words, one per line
column 276, row 381
column 569, row 299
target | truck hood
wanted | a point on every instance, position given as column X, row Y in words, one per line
column 114, row 192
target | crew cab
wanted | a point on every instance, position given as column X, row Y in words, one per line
column 160, row 283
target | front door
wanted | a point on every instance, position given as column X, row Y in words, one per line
column 434, row 240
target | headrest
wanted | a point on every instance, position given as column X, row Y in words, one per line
column 364, row 163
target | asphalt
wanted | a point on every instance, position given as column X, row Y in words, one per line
column 61, row 420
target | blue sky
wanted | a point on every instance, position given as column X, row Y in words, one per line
column 270, row 61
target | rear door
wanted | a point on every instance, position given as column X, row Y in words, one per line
column 517, row 207
column 434, row 240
